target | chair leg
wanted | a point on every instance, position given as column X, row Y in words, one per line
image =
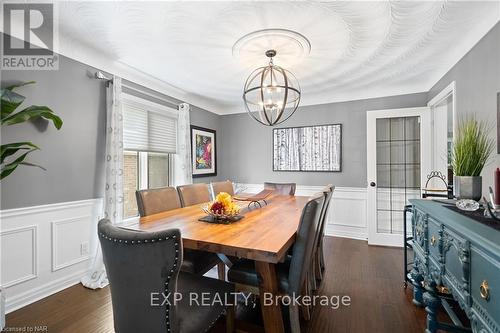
column 230, row 318
column 294, row 318
column 221, row 268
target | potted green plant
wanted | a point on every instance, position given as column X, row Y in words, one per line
column 472, row 148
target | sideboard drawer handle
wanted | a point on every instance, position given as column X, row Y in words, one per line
column 433, row 240
column 484, row 290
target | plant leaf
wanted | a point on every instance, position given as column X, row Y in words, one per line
column 9, row 168
column 472, row 147
column 10, row 101
column 32, row 112
column 12, row 148
column 12, row 87
column 33, row 165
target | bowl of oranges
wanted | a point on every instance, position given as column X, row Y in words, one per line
column 223, row 208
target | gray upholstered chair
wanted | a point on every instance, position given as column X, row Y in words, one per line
column 226, row 186
column 164, row 199
column 193, row 194
column 281, row 188
column 316, row 271
column 320, row 256
column 293, row 273
column 143, row 268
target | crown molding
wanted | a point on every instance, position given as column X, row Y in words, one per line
column 75, row 50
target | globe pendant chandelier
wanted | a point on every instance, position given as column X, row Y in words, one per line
column 271, row 93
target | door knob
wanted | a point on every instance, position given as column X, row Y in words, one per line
column 372, row 184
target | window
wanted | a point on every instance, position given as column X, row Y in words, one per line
column 150, row 139
column 142, row 170
column 130, row 183
column 158, row 170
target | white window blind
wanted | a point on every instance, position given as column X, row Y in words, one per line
column 148, row 128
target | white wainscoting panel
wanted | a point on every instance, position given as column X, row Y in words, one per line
column 19, row 260
column 347, row 214
column 46, row 248
column 69, row 238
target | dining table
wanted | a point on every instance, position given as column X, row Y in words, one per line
column 263, row 235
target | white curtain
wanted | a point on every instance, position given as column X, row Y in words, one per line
column 182, row 160
column 113, row 197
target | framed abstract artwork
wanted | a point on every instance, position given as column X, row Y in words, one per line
column 203, row 151
column 308, row 148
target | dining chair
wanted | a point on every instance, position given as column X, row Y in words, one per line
column 293, row 272
column 153, row 201
column 193, row 194
column 281, row 188
column 316, row 271
column 143, row 269
column 320, row 255
column 226, row 186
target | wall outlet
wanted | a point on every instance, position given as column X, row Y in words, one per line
column 84, row 248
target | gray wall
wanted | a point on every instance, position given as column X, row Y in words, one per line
column 73, row 156
column 202, row 118
column 247, row 153
column 477, row 78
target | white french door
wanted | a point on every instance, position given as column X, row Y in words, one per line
column 398, row 160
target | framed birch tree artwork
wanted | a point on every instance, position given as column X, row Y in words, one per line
column 309, row 148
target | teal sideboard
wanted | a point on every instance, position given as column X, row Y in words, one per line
column 455, row 256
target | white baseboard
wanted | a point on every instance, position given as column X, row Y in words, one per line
column 345, row 232
column 30, row 296
column 46, row 248
column 347, row 217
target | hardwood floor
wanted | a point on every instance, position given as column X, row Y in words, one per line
column 370, row 275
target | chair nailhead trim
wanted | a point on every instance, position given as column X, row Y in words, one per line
column 137, row 242
column 176, row 259
column 168, row 281
column 213, row 322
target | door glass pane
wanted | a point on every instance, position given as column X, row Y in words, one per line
column 398, row 170
column 397, row 128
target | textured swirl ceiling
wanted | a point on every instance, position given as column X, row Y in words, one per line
column 358, row 49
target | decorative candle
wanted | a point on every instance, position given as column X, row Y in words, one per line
column 497, row 186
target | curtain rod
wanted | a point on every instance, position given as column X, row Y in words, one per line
column 102, row 77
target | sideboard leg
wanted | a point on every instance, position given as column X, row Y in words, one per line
column 432, row 303
column 418, row 296
column 418, row 291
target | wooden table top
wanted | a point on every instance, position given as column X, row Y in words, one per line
column 264, row 234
